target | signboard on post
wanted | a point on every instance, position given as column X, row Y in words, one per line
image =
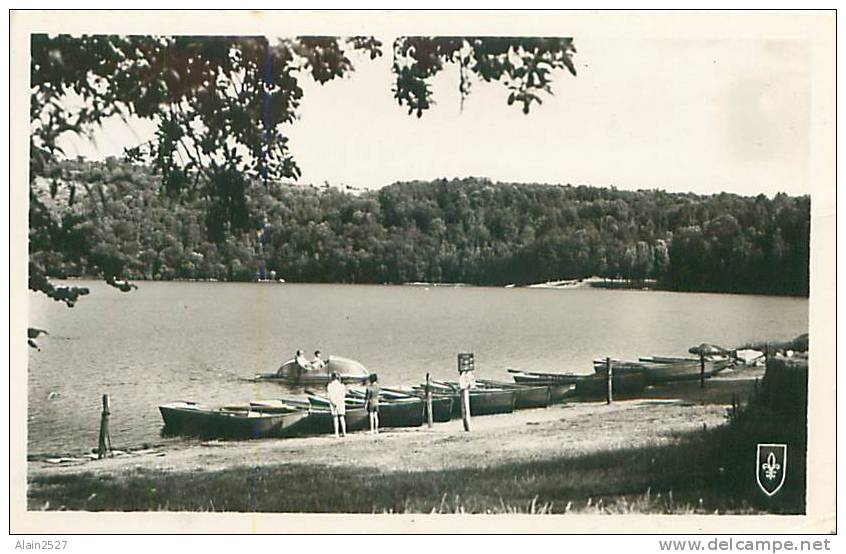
column 466, row 362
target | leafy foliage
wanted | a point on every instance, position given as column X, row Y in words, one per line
column 470, row 230
column 221, row 105
column 524, row 65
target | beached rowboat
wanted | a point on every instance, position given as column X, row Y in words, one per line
column 320, row 420
column 534, row 377
column 663, row 370
column 394, row 411
column 407, row 412
column 441, row 405
column 623, row 384
column 559, row 390
column 190, row 419
column 482, row 401
column 525, row 396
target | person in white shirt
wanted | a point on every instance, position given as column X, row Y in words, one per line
column 301, row 361
column 466, row 381
column 317, row 362
column 302, row 365
column 337, row 394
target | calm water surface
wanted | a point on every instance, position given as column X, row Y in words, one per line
column 202, row 341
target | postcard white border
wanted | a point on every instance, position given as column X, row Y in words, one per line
column 817, row 28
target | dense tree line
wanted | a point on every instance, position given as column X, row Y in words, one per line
column 115, row 221
column 221, row 105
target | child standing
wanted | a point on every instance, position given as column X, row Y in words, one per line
column 371, row 401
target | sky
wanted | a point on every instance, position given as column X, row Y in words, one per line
column 700, row 115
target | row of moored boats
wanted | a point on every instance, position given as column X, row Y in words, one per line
column 406, row 407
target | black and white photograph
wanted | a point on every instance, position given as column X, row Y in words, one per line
column 435, row 264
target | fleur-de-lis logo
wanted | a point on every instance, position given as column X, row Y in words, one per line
column 771, row 467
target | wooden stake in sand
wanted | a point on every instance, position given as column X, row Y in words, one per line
column 465, row 408
column 105, row 442
column 609, row 392
column 429, row 401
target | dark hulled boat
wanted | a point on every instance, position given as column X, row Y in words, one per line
column 441, row 404
column 525, row 395
column 483, row 401
column 658, row 370
column 559, row 389
column 189, row 419
column 320, row 421
column 405, row 412
column 623, row 384
column 396, row 411
column 535, row 377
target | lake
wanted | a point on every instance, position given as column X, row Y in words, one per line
column 204, row 341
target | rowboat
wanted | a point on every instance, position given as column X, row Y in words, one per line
column 278, row 405
column 559, row 389
column 535, row 377
column 441, row 405
column 190, row 419
column 665, row 369
column 319, row 419
column 623, row 384
column 394, row 411
column 525, row 396
column 407, row 412
column 483, row 401
column 560, row 393
column 290, row 373
column 618, row 367
column 667, row 359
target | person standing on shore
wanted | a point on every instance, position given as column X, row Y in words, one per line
column 466, row 381
column 371, row 402
column 337, row 393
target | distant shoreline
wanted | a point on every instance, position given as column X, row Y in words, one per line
column 562, row 284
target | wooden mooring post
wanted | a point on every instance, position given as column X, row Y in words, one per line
column 609, row 392
column 105, row 442
column 465, row 408
column 429, row 417
column 701, row 370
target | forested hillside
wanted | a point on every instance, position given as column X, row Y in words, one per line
column 469, row 230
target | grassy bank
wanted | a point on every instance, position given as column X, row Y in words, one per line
column 702, row 472
column 639, row 456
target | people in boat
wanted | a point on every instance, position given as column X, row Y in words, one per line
column 337, row 394
column 300, row 361
column 317, row 362
column 371, row 402
column 300, row 358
